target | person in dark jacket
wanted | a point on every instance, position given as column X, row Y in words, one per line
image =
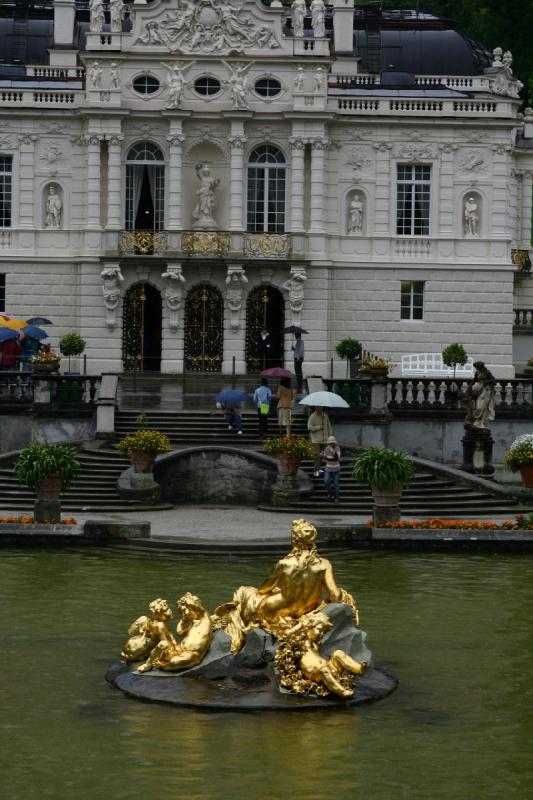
column 298, row 355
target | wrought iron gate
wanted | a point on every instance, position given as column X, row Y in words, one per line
column 141, row 328
column 265, row 308
column 204, row 329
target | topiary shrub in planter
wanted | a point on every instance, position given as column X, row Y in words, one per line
column 71, row 344
column 387, row 472
column 349, row 349
column 48, row 469
column 454, row 355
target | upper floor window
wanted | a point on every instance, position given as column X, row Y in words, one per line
column 413, row 199
column 207, row 85
column 146, row 84
column 6, row 184
column 265, row 210
column 267, row 87
column 145, row 187
column 412, row 300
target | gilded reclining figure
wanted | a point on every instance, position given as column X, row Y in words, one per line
column 148, row 631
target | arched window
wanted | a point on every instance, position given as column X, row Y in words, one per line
column 145, row 188
column 265, row 210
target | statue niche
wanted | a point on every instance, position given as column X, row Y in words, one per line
column 355, row 213
column 53, row 206
column 472, row 216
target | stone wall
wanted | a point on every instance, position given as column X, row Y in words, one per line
column 215, row 475
column 21, row 430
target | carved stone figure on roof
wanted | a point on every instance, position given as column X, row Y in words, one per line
column 96, row 10
column 318, row 18
column 299, row 10
column 116, row 13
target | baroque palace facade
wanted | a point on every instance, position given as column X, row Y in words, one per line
column 176, row 175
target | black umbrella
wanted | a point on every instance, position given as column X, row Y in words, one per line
column 39, row 321
column 294, row 329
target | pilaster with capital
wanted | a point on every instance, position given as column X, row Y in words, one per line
column 527, row 200
column 114, row 194
column 297, row 145
column 294, row 286
column 446, row 198
column 93, row 180
column 500, row 195
column 237, row 141
column 382, row 200
column 318, row 163
column 26, row 202
column 235, row 280
column 175, row 141
column 173, row 293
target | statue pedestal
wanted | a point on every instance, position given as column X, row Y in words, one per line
column 477, row 451
column 286, row 489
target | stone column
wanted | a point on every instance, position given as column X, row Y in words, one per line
column 114, row 183
column 237, row 140
column 174, row 214
column 527, row 189
column 93, row 181
column 297, row 146
column 318, row 151
column 446, row 199
column 26, row 201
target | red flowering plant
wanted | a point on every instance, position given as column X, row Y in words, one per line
column 464, row 524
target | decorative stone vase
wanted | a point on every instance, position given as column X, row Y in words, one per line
column 386, row 504
column 288, row 465
column 142, row 461
column 46, row 368
column 379, row 372
column 50, row 488
column 526, row 471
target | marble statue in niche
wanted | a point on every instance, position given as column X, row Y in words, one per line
column 54, row 209
column 202, row 215
column 471, row 218
column 356, row 214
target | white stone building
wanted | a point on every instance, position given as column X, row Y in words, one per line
column 175, row 175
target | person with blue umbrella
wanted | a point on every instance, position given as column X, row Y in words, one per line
column 229, row 402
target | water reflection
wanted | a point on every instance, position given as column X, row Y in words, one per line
column 455, row 627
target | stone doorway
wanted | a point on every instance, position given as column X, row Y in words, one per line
column 204, row 329
column 141, row 329
column 265, row 308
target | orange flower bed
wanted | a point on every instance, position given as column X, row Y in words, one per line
column 24, row 520
column 439, row 524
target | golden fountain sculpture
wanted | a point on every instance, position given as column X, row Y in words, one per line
column 287, row 605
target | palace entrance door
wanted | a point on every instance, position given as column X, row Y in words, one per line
column 265, row 308
column 141, row 328
column 204, row 329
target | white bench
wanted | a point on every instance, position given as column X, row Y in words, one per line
column 429, row 365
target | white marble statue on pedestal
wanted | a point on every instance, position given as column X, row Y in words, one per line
column 114, row 80
column 97, row 16
column 54, row 208
column 174, row 293
column 116, row 13
column 95, row 75
column 299, row 79
column 112, row 278
column 202, row 215
column 471, row 218
column 235, row 281
column 355, row 214
column 299, row 10
column 294, row 286
column 319, row 79
column 318, row 18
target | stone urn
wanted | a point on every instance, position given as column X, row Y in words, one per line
column 142, row 461
column 526, row 471
column 288, row 464
column 378, row 372
column 49, row 488
column 46, row 367
column 387, row 503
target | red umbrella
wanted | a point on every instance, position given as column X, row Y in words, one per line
column 277, row 372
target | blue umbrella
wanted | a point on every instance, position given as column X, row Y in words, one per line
column 34, row 332
column 6, row 334
column 38, row 321
column 230, row 397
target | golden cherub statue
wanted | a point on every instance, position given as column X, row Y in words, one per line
column 302, row 669
column 300, row 582
column 147, row 632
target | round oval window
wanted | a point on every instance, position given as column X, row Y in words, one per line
column 146, row 84
column 267, row 87
column 207, row 85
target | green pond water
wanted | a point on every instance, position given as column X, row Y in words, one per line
column 456, row 628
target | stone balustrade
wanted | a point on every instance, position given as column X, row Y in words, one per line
column 339, row 103
column 28, row 388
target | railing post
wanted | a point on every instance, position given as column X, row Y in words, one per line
column 85, row 363
column 378, row 397
column 105, row 407
column 331, row 370
column 233, row 372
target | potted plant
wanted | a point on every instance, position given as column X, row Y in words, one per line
column 71, row 344
column 48, row 469
column 376, row 367
column 289, row 451
column 45, row 362
column 387, row 472
column 349, row 349
column 519, row 458
column 454, row 355
column 142, row 447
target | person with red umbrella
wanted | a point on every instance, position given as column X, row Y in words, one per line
column 10, row 351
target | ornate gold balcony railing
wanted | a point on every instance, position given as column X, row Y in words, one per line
column 142, row 243
column 205, row 243
column 267, row 245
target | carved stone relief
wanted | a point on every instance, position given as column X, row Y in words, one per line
column 294, row 286
column 212, row 26
column 111, row 289
column 173, row 293
column 415, row 152
column 235, row 280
